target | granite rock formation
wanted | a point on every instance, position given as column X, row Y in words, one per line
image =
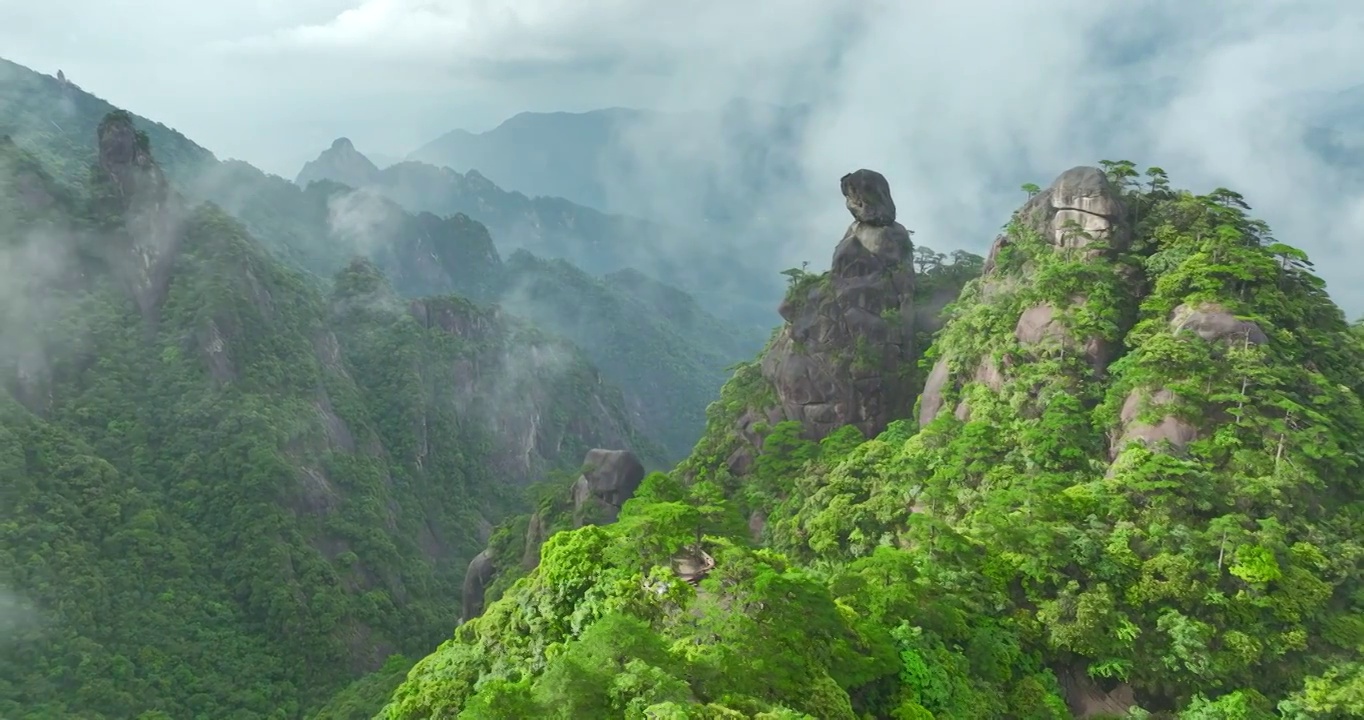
column 845, row 355
column 1080, row 212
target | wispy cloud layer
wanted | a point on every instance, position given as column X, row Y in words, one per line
column 957, row 103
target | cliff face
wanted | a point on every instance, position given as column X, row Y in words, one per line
column 304, row 478
column 130, row 184
column 845, row 355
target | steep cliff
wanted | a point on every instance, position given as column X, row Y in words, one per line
column 207, row 451
column 845, row 355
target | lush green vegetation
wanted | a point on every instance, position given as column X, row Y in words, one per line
column 1002, row 564
column 237, row 501
column 649, row 339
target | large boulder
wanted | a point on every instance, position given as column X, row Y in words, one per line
column 610, row 477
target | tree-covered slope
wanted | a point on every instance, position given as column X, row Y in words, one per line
column 1135, row 492
column 671, row 357
column 226, row 493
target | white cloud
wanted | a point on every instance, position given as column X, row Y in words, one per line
column 957, row 103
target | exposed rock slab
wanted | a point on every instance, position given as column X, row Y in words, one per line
column 1214, row 323
column 610, row 477
column 1169, row 429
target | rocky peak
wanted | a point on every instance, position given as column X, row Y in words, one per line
column 1081, row 208
column 340, row 163
column 867, row 194
column 1082, row 213
column 132, row 185
column 845, row 355
column 125, row 157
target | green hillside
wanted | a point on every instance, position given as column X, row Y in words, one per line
column 226, row 493
column 1135, row 492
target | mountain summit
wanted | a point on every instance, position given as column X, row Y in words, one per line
column 339, row 163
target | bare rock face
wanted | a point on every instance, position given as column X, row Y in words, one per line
column 1079, row 209
column 610, row 477
column 868, row 197
column 513, row 386
column 1210, row 322
column 1215, row 323
column 1169, row 431
column 843, row 356
column 476, row 580
column 135, row 185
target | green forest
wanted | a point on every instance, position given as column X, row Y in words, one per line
column 243, row 479
column 1014, row 564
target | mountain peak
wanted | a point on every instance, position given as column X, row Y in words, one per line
column 339, row 163
column 125, row 155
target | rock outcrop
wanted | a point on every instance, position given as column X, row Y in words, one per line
column 610, row 477
column 1162, row 427
column 845, row 355
column 1080, row 212
column 133, row 187
column 476, row 581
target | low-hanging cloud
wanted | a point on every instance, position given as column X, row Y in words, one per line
column 956, row 103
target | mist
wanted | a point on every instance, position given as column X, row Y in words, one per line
column 957, row 104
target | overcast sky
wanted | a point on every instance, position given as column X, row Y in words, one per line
column 956, row 101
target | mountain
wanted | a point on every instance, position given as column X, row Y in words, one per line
column 542, row 154
column 229, row 491
column 671, row 360
column 647, row 336
column 621, row 160
column 722, row 276
column 1129, row 487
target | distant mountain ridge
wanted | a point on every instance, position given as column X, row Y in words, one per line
column 687, row 256
column 673, row 370
column 706, row 163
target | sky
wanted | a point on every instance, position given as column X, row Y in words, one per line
column 957, row 103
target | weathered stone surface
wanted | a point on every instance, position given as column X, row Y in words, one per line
column 867, row 194
column 840, row 359
column 610, row 477
column 931, row 400
column 476, row 580
column 152, row 213
column 1214, row 323
column 1169, row 429
column 1080, row 207
column 1043, row 324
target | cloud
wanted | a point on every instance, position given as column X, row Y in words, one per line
column 957, row 103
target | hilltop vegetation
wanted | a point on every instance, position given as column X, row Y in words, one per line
column 226, row 493
column 668, row 357
column 1142, row 501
